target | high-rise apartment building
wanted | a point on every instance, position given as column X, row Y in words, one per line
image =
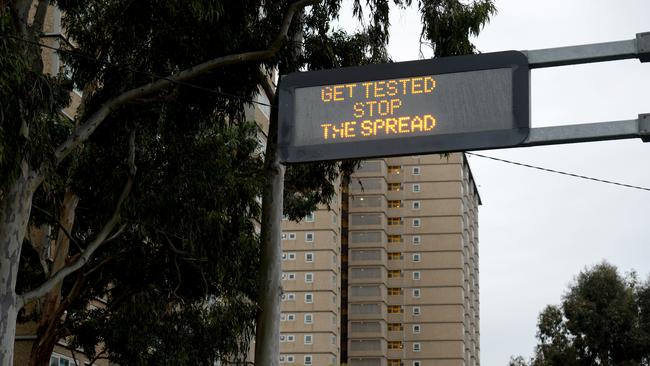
column 409, row 265
column 310, row 323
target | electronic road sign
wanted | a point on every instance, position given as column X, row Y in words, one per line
column 408, row 108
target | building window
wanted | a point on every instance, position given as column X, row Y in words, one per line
column 416, row 275
column 416, row 257
column 395, row 327
column 291, row 338
column 395, row 309
column 394, row 362
column 284, row 276
column 289, row 296
column 394, row 291
column 291, row 317
column 282, row 338
column 394, row 204
column 291, row 256
column 292, row 236
column 309, row 318
column 309, row 277
column 416, row 170
column 394, row 169
column 394, row 221
column 417, row 363
column 284, row 256
column 394, row 238
column 394, row 256
column 58, row 360
column 417, row 222
column 395, row 187
column 284, row 236
column 416, row 188
column 416, row 239
column 282, row 358
column 394, row 273
column 416, row 328
column 416, row 205
column 307, row 360
column 283, row 317
column 291, row 359
column 395, row 345
column 416, row 292
column 416, row 310
column 309, row 257
column 309, row 237
column 309, row 298
column 310, row 217
column 416, row 347
column 308, row 339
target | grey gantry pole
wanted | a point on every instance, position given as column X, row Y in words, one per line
column 636, row 48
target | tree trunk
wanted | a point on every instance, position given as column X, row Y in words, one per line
column 267, row 338
column 48, row 327
column 15, row 209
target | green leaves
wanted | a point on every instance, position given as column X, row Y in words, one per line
column 30, row 121
column 602, row 321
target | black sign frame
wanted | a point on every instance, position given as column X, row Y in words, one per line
column 406, row 145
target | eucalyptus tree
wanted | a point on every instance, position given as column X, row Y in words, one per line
column 603, row 320
column 165, row 84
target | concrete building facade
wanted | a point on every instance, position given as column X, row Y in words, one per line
column 409, row 233
column 310, row 322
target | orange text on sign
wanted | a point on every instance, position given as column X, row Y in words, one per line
column 378, row 89
column 378, row 127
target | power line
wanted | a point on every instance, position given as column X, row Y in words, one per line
column 559, row 172
column 146, row 73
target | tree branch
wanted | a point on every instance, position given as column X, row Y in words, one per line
column 99, row 265
column 39, row 18
column 117, row 233
column 22, row 12
column 267, row 86
column 96, row 243
column 60, row 226
column 82, row 133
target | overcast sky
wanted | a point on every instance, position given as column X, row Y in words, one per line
column 537, row 229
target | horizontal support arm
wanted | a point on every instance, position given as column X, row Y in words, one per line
column 602, row 131
column 638, row 47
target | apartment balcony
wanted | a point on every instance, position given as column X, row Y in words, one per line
column 366, row 311
column 368, row 275
column 366, row 347
column 367, row 329
column 367, row 186
column 367, row 203
column 368, row 361
column 369, row 256
column 371, row 168
column 367, row 221
column 367, row 239
column 367, row 293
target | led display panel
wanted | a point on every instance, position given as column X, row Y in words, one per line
column 409, row 108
